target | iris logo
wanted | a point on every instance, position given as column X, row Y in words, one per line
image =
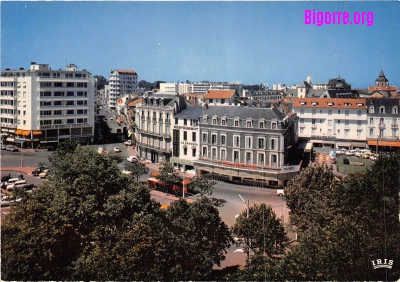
column 385, row 264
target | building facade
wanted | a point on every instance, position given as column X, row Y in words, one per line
column 242, row 143
column 153, row 123
column 221, row 97
column 41, row 105
column 169, row 88
column 121, row 82
column 335, row 122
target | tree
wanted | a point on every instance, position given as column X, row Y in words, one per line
column 167, row 175
column 144, row 84
column 262, row 232
column 137, row 169
column 343, row 226
column 203, row 185
column 101, row 81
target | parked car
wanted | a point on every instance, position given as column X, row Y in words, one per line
column 117, row 150
column 12, row 148
column 38, row 170
column 17, row 184
column 131, row 159
column 341, row 151
column 8, row 201
column 366, row 156
column 280, row 192
column 126, row 172
column 373, row 157
column 43, row 174
column 350, row 153
column 128, row 143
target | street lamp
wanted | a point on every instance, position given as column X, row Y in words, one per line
column 248, row 202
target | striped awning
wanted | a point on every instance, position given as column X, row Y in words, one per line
column 19, row 131
column 25, row 132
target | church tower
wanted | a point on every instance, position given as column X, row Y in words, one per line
column 382, row 81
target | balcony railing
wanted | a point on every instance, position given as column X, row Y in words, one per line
column 323, row 137
column 395, row 125
column 382, row 125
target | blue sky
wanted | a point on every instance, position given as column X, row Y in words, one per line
column 252, row 42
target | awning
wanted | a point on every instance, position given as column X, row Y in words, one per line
column 37, row 132
column 19, row 131
column 384, row 143
column 25, row 133
column 11, row 130
column 303, row 145
column 19, row 141
column 343, row 144
column 10, row 139
column 309, row 147
column 358, row 144
column 4, row 130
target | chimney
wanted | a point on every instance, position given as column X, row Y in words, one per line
column 205, row 106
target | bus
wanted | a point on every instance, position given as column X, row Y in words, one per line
column 154, row 183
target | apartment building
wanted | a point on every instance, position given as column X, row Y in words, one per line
column 383, row 123
column 186, row 138
column 340, row 122
column 221, row 97
column 243, row 143
column 153, row 123
column 169, row 88
column 121, row 82
column 41, row 105
column 203, row 87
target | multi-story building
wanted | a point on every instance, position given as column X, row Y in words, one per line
column 41, row 105
column 383, row 123
column 169, row 88
column 340, row 122
column 203, row 87
column 122, row 82
column 186, row 138
column 153, row 125
column 243, row 143
column 221, row 97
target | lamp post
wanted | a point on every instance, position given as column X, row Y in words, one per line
column 247, row 210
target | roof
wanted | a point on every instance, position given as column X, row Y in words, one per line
column 190, row 113
column 342, row 103
column 126, row 71
column 305, row 84
column 382, row 77
column 244, row 112
column 387, row 102
column 133, row 104
column 315, row 92
column 219, row 94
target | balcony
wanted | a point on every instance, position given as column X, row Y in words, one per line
column 395, row 126
column 302, row 124
column 382, row 126
column 10, row 125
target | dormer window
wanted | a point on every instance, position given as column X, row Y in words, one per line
column 223, row 121
column 330, row 104
column 274, row 125
column 371, row 109
column 204, row 119
column 382, row 110
column 303, row 103
column 347, row 104
column 261, row 124
column 359, row 104
column 248, row 124
column 394, row 110
column 314, row 103
column 236, row 123
column 214, row 121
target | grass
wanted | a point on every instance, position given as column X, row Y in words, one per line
column 349, row 168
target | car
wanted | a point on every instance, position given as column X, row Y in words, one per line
column 38, row 170
column 350, row 153
column 128, row 143
column 126, row 172
column 43, row 174
column 5, row 178
column 280, row 192
column 30, row 187
column 117, row 150
column 366, row 156
column 341, row 151
column 8, row 201
column 131, row 159
column 373, row 158
column 12, row 148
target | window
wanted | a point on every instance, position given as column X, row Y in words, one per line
column 70, row 93
column 45, row 113
column 313, row 121
column 70, row 84
column 248, row 124
column 346, row 122
column 338, row 112
column 204, row 119
column 359, row 113
column 330, row 122
column 358, row 134
column 236, row 123
column 358, row 122
column 184, row 121
column 302, row 111
column 346, row 112
column 214, row 139
column 193, row 152
column 185, row 136
column 273, row 144
column 214, row 121
column 70, row 103
column 346, row 133
column 45, row 84
column 45, row 94
column 314, row 111
column 249, row 141
column 223, row 139
column 79, row 112
column 338, row 121
column 205, row 137
column 222, row 101
column 57, row 84
column 236, row 156
column 261, row 124
column 236, row 141
column 176, row 120
column 371, row 120
column 57, row 112
column 214, row 153
column 194, row 136
column 185, row 151
column 381, row 121
column 79, row 103
column 394, row 110
column 273, row 125
column 57, row 121
column 79, row 120
column 81, row 84
column 248, row 158
column 261, row 159
column 223, row 154
column 261, row 142
column 330, row 132
column 204, row 152
column 70, row 112
column 329, row 112
column 371, row 109
column 223, row 122
column 382, row 109
column 70, row 121
column 58, row 94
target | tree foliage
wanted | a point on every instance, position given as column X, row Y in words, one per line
column 203, row 185
column 90, row 222
column 343, row 226
column 137, row 169
column 167, row 175
column 101, row 81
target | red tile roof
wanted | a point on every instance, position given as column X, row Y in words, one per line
column 133, row 104
column 127, row 71
column 219, row 94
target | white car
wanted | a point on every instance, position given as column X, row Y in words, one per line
column 341, row 152
column 126, row 172
column 131, row 159
column 350, row 153
column 280, row 192
column 43, row 174
column 117, row 150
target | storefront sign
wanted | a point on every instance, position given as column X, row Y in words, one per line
column 185, row 127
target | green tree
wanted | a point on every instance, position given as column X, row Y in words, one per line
column 261, row 231
column 203, row 185
column 137, row 169
column 101, row 81
column 167, row 175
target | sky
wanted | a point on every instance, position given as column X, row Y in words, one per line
column 251, row 42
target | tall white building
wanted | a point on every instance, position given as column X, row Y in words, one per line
column 121, row 82
column 41, row 105
column 169, row 88
column 203, row 87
